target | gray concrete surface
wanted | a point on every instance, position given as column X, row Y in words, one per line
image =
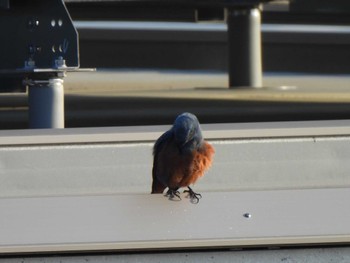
column 131, row 97
column 108, row 81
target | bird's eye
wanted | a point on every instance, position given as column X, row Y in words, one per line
column 192, row 133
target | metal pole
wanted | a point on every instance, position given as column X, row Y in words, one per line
column 46, row 104
column 244, row 40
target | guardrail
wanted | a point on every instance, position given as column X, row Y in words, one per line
column 60, row 190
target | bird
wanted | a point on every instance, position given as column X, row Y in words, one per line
column 180, row 157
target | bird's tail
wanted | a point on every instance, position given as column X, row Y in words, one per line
column 157, row 187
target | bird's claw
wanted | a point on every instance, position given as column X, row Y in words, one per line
column 172, row 194
column 193, row 195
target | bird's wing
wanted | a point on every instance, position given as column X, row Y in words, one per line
column 157, row 186
column 165, row 137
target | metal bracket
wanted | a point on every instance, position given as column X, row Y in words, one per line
column 41, row 42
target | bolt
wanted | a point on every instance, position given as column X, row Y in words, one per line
column 29, row 64
column 31, row 49
column 60, row 62
column 247, row 215
column 32, row 23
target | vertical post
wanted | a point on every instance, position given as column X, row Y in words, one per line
column 46, row 104
column 244, row 40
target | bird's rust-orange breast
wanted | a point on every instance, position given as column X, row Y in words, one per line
column 202, row 161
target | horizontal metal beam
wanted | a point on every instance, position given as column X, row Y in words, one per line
column 190, row 3
column 152, row 222
column 260, row 156
column 289, row 42
column 209, row 32
column 58, row 196
column 151, row 133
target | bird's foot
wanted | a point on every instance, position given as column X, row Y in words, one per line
column 171, row 193
column 194, row 196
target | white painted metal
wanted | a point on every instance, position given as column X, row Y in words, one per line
column 54, row 186
column 151, row 133
column 119, row 160
column 96, row 223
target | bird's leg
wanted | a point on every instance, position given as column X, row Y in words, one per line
column 173, row 193
column 194, row 196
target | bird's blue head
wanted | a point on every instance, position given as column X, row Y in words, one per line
column 187, row 132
